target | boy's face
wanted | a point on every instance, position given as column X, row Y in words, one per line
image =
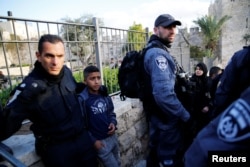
column 93, row 81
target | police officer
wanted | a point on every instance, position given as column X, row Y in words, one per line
column 227, row 135
column 165, row 112
column 233, row 81
column 47, row 97
column 225, row 132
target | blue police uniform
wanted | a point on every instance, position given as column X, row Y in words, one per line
column 164, row 110
column 233, row 80
column 58, row 123
column 225, row 132
column 230, row 131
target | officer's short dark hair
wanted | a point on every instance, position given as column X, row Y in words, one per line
column 48, row 38
column 90, row 69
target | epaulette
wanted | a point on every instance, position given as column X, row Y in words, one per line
column 28, row 90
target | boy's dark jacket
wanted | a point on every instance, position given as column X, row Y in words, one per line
column 84, row 95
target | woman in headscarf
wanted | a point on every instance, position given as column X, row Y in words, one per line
column 201, row 96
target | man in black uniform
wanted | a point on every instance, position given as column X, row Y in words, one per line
column 47, row 97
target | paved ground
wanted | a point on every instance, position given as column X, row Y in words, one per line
column 24, row 129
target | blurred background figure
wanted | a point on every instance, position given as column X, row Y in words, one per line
column 215, row 71
column 3, row 80
column 113, row 63
column 215, row 74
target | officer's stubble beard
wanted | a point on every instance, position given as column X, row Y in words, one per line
column 165, row 39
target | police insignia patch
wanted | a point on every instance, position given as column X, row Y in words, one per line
column 234, row 124
column 161, row 62
column 22, row 85
column 17, row 92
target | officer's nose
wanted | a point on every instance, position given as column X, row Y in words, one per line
column 54, row 61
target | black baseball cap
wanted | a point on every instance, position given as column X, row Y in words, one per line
column 166, row 20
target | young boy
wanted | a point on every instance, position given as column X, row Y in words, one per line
column 101, row 117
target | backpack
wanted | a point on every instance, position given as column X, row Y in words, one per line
column 131, row 72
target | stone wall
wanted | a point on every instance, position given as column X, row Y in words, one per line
column 232, row 32
column 132, row 135
column 235, row 28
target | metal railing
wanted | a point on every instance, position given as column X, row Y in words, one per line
column 84, row 44
column 7, row 154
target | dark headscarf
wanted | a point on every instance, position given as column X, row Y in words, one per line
column 203, row 67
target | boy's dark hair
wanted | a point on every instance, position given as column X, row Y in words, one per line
column 48, row 38
column 90, row 69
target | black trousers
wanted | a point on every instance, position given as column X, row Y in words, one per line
column 166, row 147
column 77, row 152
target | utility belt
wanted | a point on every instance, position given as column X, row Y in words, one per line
column 151, row 109
column 42, row 143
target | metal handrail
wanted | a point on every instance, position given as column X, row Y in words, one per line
column 9, row 157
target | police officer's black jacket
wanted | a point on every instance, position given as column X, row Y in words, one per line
column 50, row 103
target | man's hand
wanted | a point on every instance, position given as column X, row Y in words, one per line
column 98, row 144
column 111, row 129
column 205, row 109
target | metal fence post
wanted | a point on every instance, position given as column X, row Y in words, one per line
column 147, row 34
column 98, row 46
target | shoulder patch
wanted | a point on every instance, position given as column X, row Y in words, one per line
column 18, row 90
column 234, row 124
column 161, row 62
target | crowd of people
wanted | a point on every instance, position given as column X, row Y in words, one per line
column 74, row 123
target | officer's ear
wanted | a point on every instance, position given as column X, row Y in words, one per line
column 38, row 56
